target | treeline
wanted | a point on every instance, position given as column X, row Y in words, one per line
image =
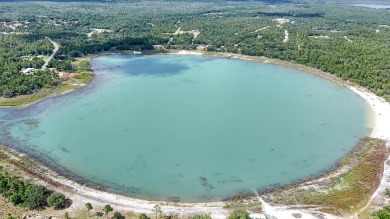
column 24, row 194
column 16, row 83
column 351, row 42
column 18, row 52
column 77, row 47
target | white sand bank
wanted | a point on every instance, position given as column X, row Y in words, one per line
column 382, row 131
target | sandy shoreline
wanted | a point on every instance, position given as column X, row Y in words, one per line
column 81, row 194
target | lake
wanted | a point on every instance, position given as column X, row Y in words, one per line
column 191, row 128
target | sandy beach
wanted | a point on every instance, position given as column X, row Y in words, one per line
column 81, row 194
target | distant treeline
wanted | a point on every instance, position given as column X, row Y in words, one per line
column 351, row 42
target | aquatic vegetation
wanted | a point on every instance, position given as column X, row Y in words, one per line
column 31, row 122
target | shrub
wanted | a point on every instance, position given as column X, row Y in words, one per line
column 118, row 215
column 36, row 197
column 387, row 192
column 382, row 214
column 143, row 216
column 56, row 200
column 16, row 199
column 201, row 216
column 239, row 214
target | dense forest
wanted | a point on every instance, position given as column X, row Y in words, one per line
column 351, row 42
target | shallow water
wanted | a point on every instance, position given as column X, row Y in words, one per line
column 192, row 128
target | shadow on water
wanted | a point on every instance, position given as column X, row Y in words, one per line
column 147, row 67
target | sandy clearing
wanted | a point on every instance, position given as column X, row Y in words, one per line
column 285, row 36
column 281, row 20
column 283, row 212
column 177, row 31
column 263, row 28
column 320, row 37
column 98, row 31
column 347, row 39
column 14, row 26
column 195, row 33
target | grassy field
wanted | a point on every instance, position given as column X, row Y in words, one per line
column 349, row 191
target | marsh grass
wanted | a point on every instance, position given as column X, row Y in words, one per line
column 349, row 191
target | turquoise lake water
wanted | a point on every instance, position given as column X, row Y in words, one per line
column 191, row 128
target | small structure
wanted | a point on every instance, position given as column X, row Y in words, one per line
column 27, row 70
column 136, row 52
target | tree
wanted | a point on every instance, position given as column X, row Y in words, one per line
column 89, row 207
column 16, row 199
column 107, row 209
column 239, row 214
column 36, row 197
column 8, row 93
column 118, row 215
column 143, row 216
column 157, row 210
column 384, row 213
column 56, row 200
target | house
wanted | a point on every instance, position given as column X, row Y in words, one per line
column 27, row 70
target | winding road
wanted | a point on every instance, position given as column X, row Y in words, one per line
column 56, row 47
